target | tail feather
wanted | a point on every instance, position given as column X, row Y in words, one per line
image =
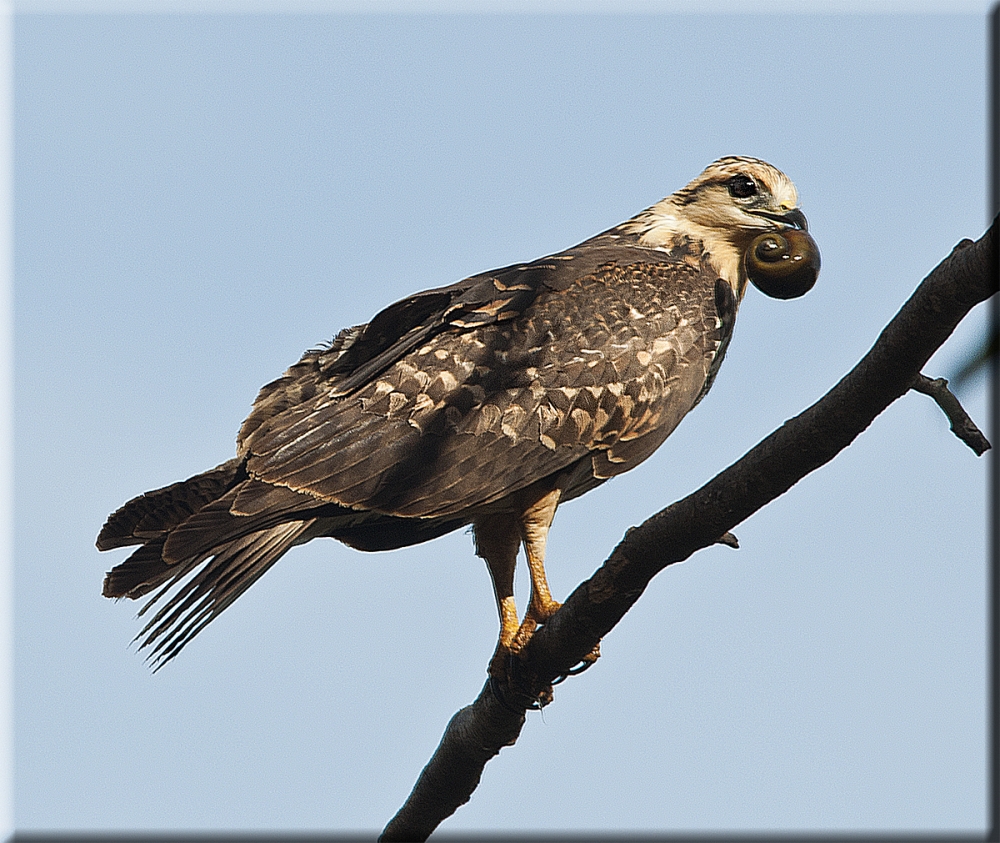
column 206, row 540
column 232, row 569
column 156, row 513
column 222, row 553
column 143, row 571
column 222, row 520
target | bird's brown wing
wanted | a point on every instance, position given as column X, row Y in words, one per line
column 452, row 400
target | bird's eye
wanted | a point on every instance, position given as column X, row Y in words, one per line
column 741, row 186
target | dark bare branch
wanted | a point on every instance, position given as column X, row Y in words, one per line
column 961, row 425
column 965, row 278
column 474, row 735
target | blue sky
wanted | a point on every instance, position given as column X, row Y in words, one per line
column 198, row 199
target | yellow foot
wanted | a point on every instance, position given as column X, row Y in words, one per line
column 535, row 617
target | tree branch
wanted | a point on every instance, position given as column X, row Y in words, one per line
column 961, row 425
column 475, row 734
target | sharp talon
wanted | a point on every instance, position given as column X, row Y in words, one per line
column 580, row 668
column 586, row 662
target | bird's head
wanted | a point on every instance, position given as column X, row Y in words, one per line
column 727, row 209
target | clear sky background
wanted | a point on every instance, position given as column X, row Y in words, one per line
column 200, row 199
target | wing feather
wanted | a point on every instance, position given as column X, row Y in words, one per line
column 460, row 397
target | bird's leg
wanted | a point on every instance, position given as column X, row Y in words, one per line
column 498, row 538
column 497, row 541
column 534, row 523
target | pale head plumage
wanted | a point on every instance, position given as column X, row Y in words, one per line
column 731, row 202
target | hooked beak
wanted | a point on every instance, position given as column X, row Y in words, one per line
column 790, row 219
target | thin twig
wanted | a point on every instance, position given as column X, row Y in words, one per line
column 961, row 424
column 729, row 540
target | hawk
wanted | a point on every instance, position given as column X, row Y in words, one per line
column 485, row 403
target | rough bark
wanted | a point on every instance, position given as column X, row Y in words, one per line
column 475, row 734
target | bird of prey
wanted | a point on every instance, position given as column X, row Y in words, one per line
column 484, row 403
